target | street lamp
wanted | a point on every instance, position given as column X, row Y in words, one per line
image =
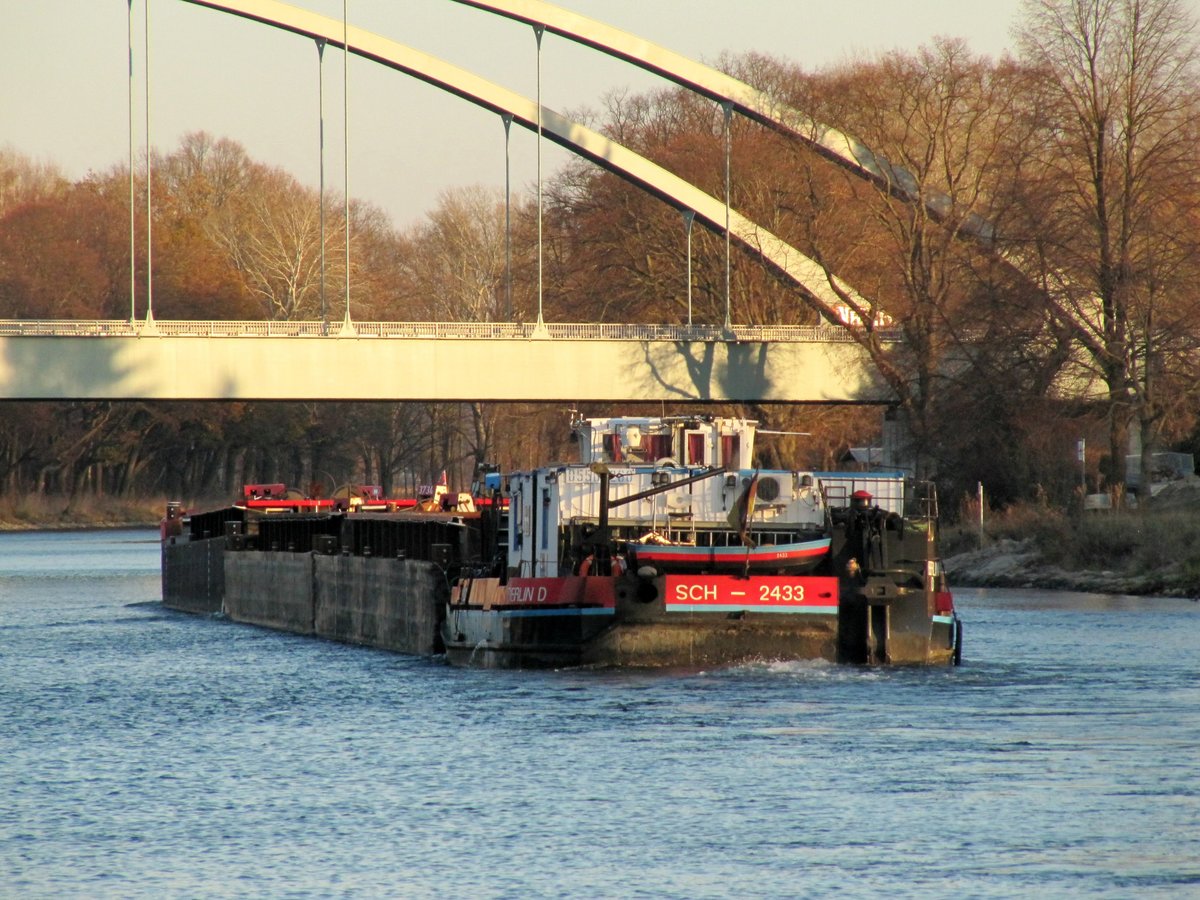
column 321, row 153
column 538, row 30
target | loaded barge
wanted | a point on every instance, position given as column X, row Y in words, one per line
column 662, row 546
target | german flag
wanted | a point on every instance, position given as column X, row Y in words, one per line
column 743, row 511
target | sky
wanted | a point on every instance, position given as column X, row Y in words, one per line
column 64, row 82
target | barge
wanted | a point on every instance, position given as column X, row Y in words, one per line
column 661, row 546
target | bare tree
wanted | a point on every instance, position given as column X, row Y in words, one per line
column 454, row 270
column 23, row 181
column 272, row 235
column 455, row 259
column 1118, row 123
column 915, row 242
column 204, row 175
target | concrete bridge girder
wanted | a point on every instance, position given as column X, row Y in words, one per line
column 286, row 368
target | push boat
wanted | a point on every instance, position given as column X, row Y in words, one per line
column 664, row 547
column 661, row 546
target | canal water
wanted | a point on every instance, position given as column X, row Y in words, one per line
column 145, row 753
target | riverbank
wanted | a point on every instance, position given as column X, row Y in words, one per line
column 1021, row 564
column 55, row 513
column 1155, row 551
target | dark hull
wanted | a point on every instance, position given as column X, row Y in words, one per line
column 386, row 581
column 691, row 645
column 640, row 632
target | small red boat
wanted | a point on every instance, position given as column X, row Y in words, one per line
column 793, row 558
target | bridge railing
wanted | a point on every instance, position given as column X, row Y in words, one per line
column 422, row 330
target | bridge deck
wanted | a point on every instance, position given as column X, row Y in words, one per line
column 482, row 330
column 431, row 361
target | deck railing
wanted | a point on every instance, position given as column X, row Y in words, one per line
column 422, row 330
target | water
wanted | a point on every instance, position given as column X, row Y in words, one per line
column 145, row 753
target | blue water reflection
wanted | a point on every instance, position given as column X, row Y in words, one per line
column 145, row 753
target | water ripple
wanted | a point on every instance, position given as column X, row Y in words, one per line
column 145, row 753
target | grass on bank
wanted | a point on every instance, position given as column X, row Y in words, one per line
column 1130, row 541
column 51, row 511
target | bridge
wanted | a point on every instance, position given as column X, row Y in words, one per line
column 477, row 361
column 122, row 360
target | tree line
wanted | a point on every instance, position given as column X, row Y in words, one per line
column 1032, row 231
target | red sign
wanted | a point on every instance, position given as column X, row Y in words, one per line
column 761, row 593
column 566, row 591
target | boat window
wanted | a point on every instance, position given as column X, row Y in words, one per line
column 730, row 444
column 695, row 448
column 614, row 446
column 657, row 446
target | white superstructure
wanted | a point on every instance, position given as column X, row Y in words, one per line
column 693, row 472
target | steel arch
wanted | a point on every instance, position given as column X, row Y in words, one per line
column 573, row 136
column 835, row 145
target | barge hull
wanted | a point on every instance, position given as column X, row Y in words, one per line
column 392, row 604
column 193, row 575
column 647, row 627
